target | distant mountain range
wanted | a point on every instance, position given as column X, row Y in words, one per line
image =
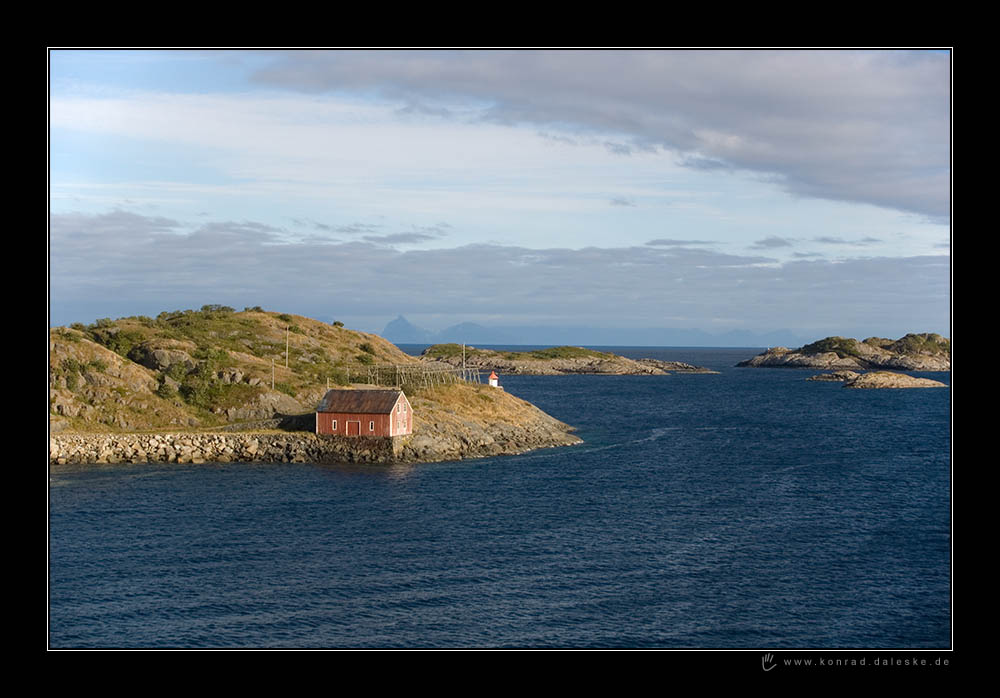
column 402, row 331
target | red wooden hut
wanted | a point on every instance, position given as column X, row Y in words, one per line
column 364, row 413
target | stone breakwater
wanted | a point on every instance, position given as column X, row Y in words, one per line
column 219, row 448
column 290, row 448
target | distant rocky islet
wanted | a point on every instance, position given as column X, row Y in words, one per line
column 878, row 379
column 913, row 352
column 554, row 362
column 862, row 364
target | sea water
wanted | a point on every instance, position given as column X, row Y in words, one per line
column 742, row 510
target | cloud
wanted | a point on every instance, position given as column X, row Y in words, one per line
column 399, row 238
column 771, row 243
column 667, row 242
column 148, row 264
column 823, row 124
column 348, row 229
column 619, row 201
column 419, row 233
column 117, row 222
column 830, row 240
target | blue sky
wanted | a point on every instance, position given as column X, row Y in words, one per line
column 717, row 190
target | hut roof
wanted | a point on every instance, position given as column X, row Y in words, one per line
column 359, row 401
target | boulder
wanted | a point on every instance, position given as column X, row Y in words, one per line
column 159, row 359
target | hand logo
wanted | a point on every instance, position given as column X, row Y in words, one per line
column 767, row 662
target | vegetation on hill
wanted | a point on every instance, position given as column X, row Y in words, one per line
column 202, row 367
column 927, row 343
column 841, row 346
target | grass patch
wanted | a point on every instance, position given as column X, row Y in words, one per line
column 841, row 346
column 921, row 344
column 563, row 353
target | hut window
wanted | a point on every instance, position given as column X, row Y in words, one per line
column 334, row 425
column 371, row 426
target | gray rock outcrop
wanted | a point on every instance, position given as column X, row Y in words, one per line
column 888, row 379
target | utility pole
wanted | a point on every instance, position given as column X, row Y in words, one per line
column 272, row 373
column 286, row 345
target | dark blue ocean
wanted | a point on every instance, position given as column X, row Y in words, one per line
column 751, row 509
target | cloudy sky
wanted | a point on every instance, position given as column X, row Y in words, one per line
column 717, row 190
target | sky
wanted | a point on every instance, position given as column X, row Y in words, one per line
column 717, row 190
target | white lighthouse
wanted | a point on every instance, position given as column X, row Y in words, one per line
column 494, row 380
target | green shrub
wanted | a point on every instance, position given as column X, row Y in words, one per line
column 71, row 366
column 65, row 334
column 98, row 365
column 166, row 391
column 214, row 308
column 255, row 309
column 367, row 348
column 338, row 323
column 365, row 359
column 337, row 376
column 839, row 345
column 177, row 371
column 196, row 390
column 117, row 340
column 210, row 394
column 168, row 315
column 212, row 359
column 285, row 317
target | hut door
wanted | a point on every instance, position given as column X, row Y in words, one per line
column 354, row 428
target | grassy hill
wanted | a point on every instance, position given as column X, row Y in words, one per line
column 201, row 368
column 210, row 369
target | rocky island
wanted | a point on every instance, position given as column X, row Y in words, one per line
column 555, row 361
column 878, row 379
column 213, row 386
column 913, row 352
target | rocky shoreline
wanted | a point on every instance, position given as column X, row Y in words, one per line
column 301, row 447
column 877, row 379
column 888, row 379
